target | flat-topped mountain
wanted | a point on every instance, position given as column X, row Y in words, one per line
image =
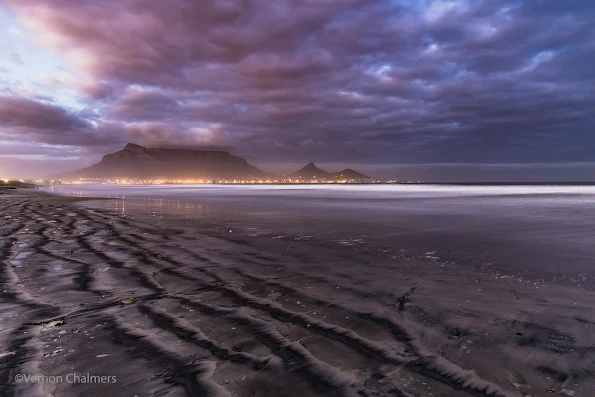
column 136, row 161
column 311, row 171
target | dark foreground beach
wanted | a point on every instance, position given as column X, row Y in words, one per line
column 99, row 303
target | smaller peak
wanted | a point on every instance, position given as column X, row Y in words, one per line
column 133, row 146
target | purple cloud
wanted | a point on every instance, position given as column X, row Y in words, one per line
column 347, row 80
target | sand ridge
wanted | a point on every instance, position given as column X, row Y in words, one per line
column 172, row 311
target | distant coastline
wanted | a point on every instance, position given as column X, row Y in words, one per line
column 32, row 182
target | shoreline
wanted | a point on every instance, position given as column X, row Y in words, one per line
column 205, row 313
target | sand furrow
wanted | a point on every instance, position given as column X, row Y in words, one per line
column 175, row 369
column 183, row 330
column 432, row 367
column 203, row 314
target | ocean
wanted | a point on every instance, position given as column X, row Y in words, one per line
column 546, row 230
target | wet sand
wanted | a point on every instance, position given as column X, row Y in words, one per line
column 177, row 307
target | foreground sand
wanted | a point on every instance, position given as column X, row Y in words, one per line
column 171, row 309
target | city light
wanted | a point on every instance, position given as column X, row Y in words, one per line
column 217, row 181
column 209, row 181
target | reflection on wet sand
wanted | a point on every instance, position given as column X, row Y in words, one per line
column 195, row 307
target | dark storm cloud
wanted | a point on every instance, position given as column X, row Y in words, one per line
column 28, row 119
column 342, row 80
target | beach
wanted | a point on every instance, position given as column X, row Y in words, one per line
column 213, row 297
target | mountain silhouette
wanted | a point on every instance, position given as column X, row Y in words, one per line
column 136, row 161
column 349, row 174
column 310, row 171
column 139, row 162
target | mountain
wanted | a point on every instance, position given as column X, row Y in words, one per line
column 310, row 171
column 349, row 174
column 136, row 161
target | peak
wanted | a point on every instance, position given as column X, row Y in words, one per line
column 133, row 146
column 310, row 165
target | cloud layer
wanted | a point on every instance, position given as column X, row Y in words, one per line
column 368, row 81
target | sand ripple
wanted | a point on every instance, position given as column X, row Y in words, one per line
column 172, row 313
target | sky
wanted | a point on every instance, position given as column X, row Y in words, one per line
column 399, row 89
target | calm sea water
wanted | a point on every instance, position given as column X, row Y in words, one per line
column 551, row 228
